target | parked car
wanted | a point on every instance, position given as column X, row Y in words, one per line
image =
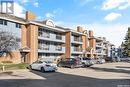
column 70, row 62
column 125, row 59
column 100, row 61
column 87, row 61
column 43, row 66
column 117, row 59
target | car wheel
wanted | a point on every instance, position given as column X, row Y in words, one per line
column 59, row 65
column 42, row 69
column 54, row 71
column 72, row 66
column 83, row 65
column 98, row 62
column 29, row 67
column 89, row 65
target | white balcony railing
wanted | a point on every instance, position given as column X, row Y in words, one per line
column 52, row 49
column 75, row 50
column 76, row 40
column 52, row 37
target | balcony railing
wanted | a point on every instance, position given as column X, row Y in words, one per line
column 99, row 44
column 58, row 48
column 44, row 34
column 76, row 50
column 78, row 39
column 52, row 49
column 98, row 51
column 59, row 37
column 43, row 47
column 52, row 37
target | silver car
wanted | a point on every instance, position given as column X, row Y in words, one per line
column 87, row 62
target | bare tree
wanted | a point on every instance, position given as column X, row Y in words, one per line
column 8, row 42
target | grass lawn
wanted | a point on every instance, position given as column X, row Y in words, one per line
column 11, row 66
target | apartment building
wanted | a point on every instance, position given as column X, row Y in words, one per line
column 104, row 48
column 45, row 40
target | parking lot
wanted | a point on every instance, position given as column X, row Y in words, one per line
column 99, row 75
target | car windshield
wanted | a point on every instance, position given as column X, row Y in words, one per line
column 68, row 59
column 48, row 61
column 38, row 62
column 86, row 58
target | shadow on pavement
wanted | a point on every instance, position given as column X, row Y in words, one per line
column 56, row 79
column 6, row 73
column 122, row 67
column 110, row 70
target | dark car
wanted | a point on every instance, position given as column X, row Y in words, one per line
column 70, row 62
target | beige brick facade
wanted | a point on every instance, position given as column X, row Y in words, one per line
column 29, row 39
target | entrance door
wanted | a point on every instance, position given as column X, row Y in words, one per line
column 23, row 57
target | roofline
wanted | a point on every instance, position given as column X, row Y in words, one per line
column 9, row 19
column 43, row 25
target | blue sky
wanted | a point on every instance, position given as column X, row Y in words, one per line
column 108, row 18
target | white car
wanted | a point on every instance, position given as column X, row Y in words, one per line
column 44, row 66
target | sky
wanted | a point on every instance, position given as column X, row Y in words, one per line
column 107, row 18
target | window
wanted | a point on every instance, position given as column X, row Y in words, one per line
column 58, row 36
column 3, row 38
column 78, row 38
column 18, row 25
column 3, row 22
column 46, row 34
column 18, row 39
column 47, row 55
column 39, row 33
column 43, row 45
column 58, row 48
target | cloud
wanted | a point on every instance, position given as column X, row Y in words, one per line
column 39, row 18
column 55, row 12
column 83, row 2
column 112, row 16
column 25, row 1
column 19, row 10
column 61, row 23
column 49, row 15
column 114, row 33
column 36, row 4
column 120, row 4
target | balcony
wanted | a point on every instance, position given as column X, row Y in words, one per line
column 98, row 51
column 51, row 49
column 75, row 50
column 52, row 37
column 104, row 47
column 99, row 45
column 76, row 40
